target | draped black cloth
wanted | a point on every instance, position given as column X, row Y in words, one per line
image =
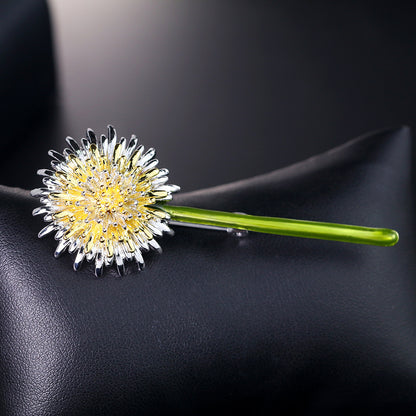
column 218, row 324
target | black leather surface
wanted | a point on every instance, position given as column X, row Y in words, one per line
column 217, row 324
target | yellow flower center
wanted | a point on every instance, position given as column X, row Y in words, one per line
column 104, row 202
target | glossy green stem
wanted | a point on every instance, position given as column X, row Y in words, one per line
column 284, row 226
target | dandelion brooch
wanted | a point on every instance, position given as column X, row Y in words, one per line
column 105, row 199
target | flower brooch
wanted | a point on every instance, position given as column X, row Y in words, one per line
column 105, row 200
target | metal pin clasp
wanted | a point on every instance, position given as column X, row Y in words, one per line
column 232, row 231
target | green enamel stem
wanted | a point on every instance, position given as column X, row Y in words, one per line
column 284, row 226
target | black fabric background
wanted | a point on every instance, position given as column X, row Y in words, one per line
column 27, row 83
column 218, row 324
column 215, row 324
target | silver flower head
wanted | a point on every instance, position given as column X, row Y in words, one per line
column 101, row 199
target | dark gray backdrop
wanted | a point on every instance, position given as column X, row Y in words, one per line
column 223, row 89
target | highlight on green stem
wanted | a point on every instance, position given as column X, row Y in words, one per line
column 284, row 226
